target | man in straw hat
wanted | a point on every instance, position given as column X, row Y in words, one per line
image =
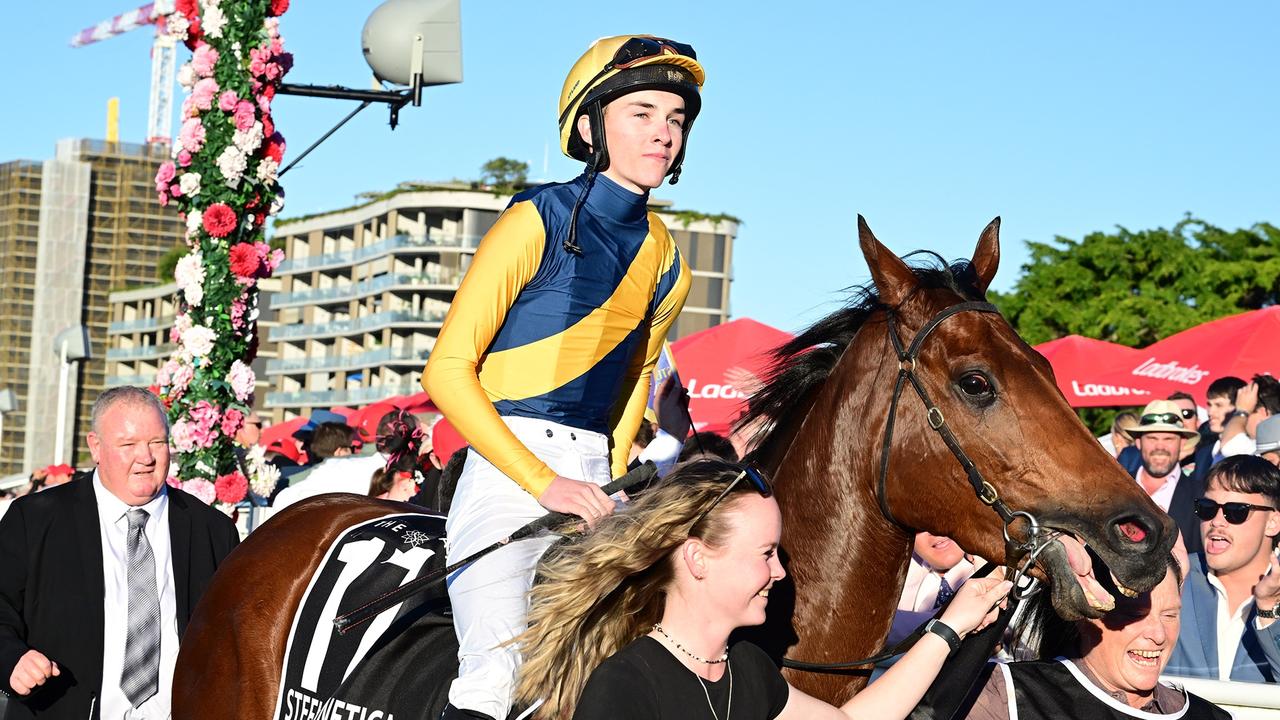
column 1160, row 436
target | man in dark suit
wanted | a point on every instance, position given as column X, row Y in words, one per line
column 98, row 577
column 1160, row 436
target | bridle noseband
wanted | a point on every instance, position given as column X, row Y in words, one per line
column 1019, row 555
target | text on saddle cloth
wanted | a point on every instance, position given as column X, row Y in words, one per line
column 331, row 674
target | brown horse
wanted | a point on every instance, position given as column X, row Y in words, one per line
column 829, row 406
column 830, row 399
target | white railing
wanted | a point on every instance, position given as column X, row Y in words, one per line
column 344, row 327
column 343, row 258
column 1244, row 700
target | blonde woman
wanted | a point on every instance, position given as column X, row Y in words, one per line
column 633, row 620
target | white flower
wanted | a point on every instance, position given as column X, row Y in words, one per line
column 189, row 274
column 267, row 170
column 186, row 75
column 213, row 20
column 198, row 340
column 176, row 25
column 248, row 140
column 194, row 219
column 190, row 183
column 232, row 163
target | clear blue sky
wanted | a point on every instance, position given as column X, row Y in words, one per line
column 928, row 118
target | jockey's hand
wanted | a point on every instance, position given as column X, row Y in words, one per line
column 575, row 497
column 976, row 604
column 32, row 670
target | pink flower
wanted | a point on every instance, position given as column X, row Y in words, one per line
column 164, row 175
column 203, row 60
column 238, row 308
column 232, row 487
column 173, row 482
column 182, row 377
column 203, row 93
column 241, row 380
column 227, row 100
column 264, row 104
column 180, row 436
column 184, row 158
column 232, row 420
column 191, row 136
column 203, row 490
column 175, row 190
column 245, row 116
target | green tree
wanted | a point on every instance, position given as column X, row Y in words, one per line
column 1135, row 288
column 504, row 173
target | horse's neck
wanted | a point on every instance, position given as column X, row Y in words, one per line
column 847, row 561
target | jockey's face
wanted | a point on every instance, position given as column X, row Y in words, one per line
column 644, row 131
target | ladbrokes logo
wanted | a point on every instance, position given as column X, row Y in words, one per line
column 1171, row 371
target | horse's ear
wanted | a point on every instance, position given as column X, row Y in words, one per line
column 892, row 277
column 986, row 257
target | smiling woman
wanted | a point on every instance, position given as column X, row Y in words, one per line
column 633, row 620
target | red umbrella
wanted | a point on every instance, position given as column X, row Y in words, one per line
column 1241, row 345
column 720, row 366
column 446, row 440
column 1078, row 362
column 366, row 419
column 281, row 436
column 415, row 403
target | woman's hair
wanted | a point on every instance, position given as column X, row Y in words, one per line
column 598, row 592
column 400, row 439
column 381, row 482
column 1123, row 422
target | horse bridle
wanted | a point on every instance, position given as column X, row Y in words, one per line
column 1020, row 556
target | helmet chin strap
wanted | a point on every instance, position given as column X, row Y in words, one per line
column 597, row 163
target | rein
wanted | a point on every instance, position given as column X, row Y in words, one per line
column 1020, row 556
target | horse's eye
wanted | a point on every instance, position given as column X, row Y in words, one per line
column 976, row 385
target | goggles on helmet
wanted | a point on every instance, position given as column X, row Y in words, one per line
column 630, row 53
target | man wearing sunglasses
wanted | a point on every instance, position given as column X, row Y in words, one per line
column 1233, row 585
column 1159, row 438
column 545, row 358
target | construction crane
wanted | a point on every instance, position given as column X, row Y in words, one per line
column 163, row 53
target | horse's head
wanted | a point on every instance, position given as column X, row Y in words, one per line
column 998, row 397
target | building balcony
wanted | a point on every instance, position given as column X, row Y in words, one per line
column 141, row 324
column 135, row 380
column 375, row 321
column 330, row 398
column 371, row 358
column 435, row 278
column 142, row 352
column 345, row 258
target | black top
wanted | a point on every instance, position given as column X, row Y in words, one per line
column 644, row 681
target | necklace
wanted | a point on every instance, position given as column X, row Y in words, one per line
column 722, row 659
column 727, row 706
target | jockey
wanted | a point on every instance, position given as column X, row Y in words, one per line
column 544, row 361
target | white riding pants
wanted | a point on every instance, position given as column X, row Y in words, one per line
column 490, row 596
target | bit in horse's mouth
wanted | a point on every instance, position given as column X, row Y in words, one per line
column 1073, row 554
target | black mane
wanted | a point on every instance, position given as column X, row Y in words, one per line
column 801, row 366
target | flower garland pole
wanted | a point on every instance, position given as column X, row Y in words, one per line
column 223, row 180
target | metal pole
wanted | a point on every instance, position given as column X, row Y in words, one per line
column 63, row 380
column 1, row 436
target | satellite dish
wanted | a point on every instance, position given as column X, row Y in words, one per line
column 415, row 43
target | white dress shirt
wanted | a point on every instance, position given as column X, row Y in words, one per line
column 1230, row 628
column 349, row 474
column 1162, row 495
column 113, row 526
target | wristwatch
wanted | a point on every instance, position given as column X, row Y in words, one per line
column 1268, row 614
column 944, row 631
column 1238, row 413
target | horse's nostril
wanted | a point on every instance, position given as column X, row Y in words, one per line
column 1133, row 531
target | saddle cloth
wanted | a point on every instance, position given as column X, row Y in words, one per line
column 387, row 668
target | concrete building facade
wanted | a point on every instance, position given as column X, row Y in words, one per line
column 364, row 290
column 72, row 230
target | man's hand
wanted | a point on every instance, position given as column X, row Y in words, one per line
column 671, row 405
column 1266, row 594
column 575, row 497
column 1247, row 398
column 32, row 670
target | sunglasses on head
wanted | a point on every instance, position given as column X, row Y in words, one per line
column 751, row 475
column 1163, row 419
column 1234, row 512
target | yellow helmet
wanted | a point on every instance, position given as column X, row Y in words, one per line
column 615, row 66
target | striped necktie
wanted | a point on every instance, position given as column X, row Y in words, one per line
column 140, row 676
